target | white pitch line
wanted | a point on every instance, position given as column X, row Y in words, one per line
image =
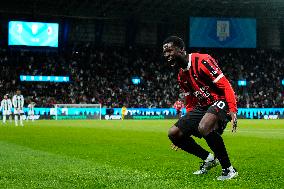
column 280, row 131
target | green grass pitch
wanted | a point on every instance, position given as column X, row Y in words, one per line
column 132, row 154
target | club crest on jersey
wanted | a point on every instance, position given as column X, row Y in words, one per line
column 202, row 93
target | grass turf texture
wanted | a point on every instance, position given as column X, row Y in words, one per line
column 132, row 154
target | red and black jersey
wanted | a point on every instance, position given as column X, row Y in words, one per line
column 178, row 105
column 204, row 83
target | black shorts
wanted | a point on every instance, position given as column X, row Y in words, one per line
column 178, row 111
column 188, row 124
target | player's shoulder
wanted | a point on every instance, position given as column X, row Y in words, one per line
column 200, row 56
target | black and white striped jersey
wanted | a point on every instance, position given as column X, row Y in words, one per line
column 6, row 105
column 18, row 101
column 31, row 106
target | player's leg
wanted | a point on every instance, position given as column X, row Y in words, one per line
column 21, row 113
column 16, row 118
column 33, row 117
column 122, row 116
column 214, row 140
column 209, row 127
column 29, row 116
column 10, row 117
column 21, row 118
column 4, row 117
column 179, row 113
column 186, row 143
column 180, row 135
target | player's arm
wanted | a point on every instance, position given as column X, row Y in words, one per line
column 224, row 84
column 10, row 104
column 2, row 105
column 14, row 101
column 209, row 68
column 22, row 104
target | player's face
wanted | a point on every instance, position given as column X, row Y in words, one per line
column 169, row 53
column 173, row 54
column 5, row 97
column 18, row 92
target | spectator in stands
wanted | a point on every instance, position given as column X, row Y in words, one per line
column 97, row 78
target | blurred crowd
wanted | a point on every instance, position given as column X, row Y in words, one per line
column 103, row 75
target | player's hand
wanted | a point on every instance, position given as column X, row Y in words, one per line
column 234, row 121
column 174, row 147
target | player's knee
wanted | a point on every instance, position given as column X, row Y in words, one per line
column 204, row 128
column 174, row 133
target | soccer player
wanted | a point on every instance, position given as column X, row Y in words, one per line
column 31, row 112
column 6, row 107
column 179, row 106
column 123, row 111
column 18, row 103
column 210, row 104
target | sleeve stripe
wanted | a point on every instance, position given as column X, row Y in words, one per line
column 218, row 78
column 189, row 62
column 210, row 67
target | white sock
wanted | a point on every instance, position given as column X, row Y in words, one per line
column 16, row 119
column 33, row 117
column 10, row 118
column 231, row 168
column 210, row 157
column 4, row 119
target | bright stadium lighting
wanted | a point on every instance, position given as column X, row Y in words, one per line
column 242, row 83
column 136, row 80
column 44, row 78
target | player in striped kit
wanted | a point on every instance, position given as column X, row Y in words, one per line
column 31, row 113
column 18, row 103
column 6, row 106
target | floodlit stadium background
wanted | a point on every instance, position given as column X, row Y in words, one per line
column 109, row 53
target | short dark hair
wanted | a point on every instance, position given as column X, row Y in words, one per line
column 177, row 41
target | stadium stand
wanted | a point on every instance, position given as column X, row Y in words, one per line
column 103, row 75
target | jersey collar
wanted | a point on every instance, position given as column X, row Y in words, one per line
column 189, row 63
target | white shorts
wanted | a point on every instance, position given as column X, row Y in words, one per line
column 7, row 112
column 31, row 112
column 18, row 111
